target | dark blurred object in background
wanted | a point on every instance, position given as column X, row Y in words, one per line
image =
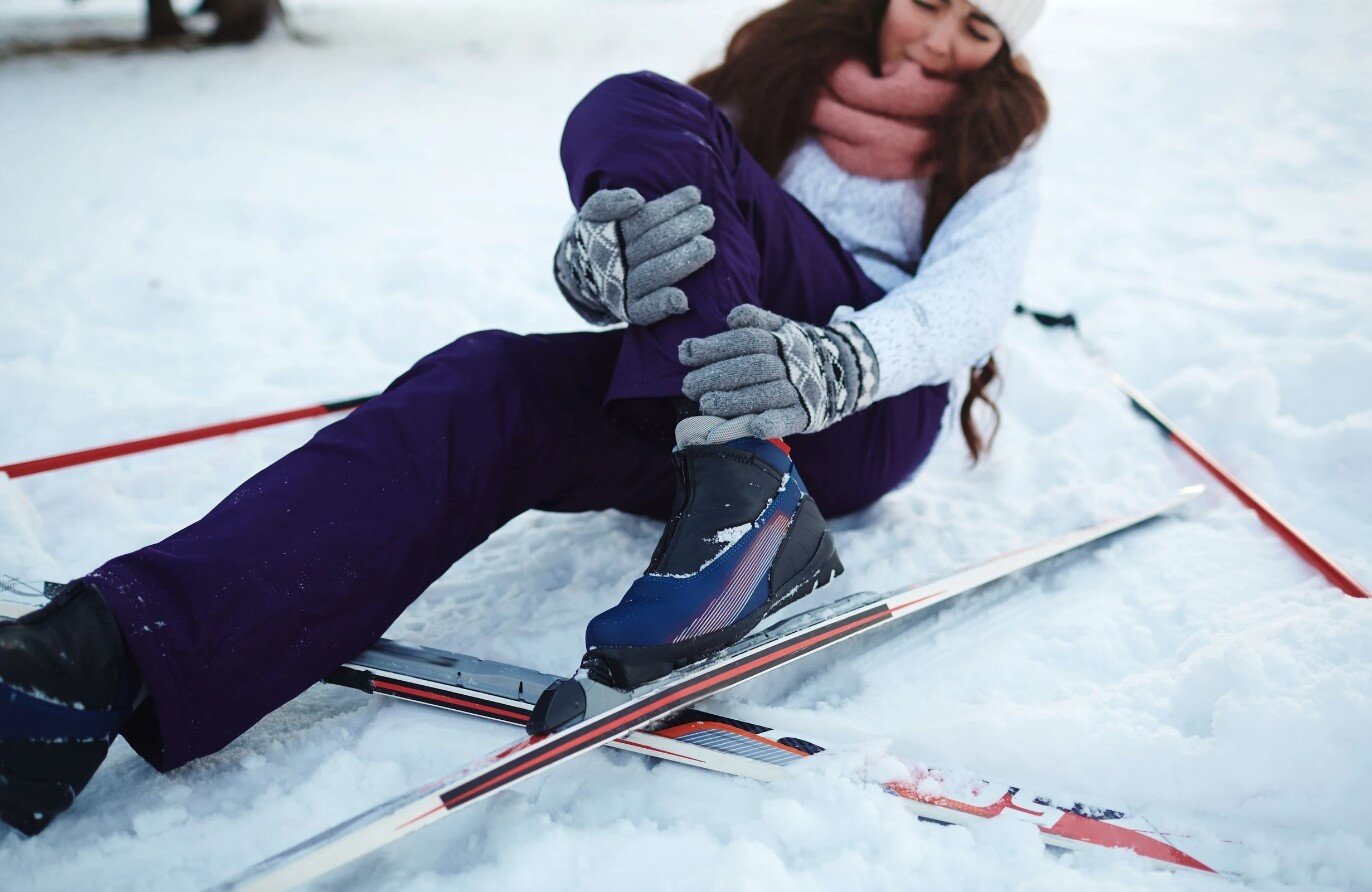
column 234, row 22
column 238, row 21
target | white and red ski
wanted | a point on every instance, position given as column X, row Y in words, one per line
column 730, row 745
column 19, row 596
column 606, row 714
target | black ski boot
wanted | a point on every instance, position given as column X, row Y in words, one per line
column 745, row 539
column 67, row 685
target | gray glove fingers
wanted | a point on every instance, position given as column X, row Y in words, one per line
column 723, row 431
column 696, row 352
column 749, row 400
column 670, row 268
column 751, row 316
column 779, row 423
column 657, row 305
column 732, row 374
column 692, row 431
column 671, row 233
column 609, row 205
column 660, row 210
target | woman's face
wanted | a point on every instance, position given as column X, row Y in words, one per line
column 946, row 37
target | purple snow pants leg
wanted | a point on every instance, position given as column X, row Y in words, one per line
column 654, row 134
column 309, row 561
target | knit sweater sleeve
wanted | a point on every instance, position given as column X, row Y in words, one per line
column 948, row 317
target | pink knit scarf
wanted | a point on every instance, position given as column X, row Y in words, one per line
column 881, row 126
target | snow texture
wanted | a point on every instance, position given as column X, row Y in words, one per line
column 729, row 535
column 193, row 237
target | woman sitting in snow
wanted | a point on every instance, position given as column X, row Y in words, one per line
column 858, row 166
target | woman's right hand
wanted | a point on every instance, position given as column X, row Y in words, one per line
column 621, row 258
column 769, row 376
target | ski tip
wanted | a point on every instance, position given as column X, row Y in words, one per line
column 19, row 597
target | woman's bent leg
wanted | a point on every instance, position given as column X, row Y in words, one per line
column 309, row 561
column 651, row 133
column 655, row 135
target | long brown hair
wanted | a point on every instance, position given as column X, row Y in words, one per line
column 770, row 79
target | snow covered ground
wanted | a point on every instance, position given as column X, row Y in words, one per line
column 192, row 237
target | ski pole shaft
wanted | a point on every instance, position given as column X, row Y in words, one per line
column 146, row 444
column 1274, row 521
column 1331, row 571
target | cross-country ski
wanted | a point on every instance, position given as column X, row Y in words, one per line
column 729, row 745
column 574, row 716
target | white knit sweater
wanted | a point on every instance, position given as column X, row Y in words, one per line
column 943, row 310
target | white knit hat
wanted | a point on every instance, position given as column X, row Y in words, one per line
column 1014, row 18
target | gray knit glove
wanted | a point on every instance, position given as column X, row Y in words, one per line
column 771, row 377
column 620, row 257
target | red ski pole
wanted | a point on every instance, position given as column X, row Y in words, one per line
column 146, row 444
column 1302, row 546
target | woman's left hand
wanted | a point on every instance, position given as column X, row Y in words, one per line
column 769, row 376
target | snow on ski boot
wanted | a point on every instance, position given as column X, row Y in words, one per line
column 67, row 685
column 745, row 539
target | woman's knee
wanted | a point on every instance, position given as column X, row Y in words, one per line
column 646, row 131
column 488, row 356
column 521, row 375
column 647, row 97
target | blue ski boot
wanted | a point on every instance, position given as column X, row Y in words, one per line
column 67, row 685
column 745, row 539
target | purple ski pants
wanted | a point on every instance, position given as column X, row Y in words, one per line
column 308, row 562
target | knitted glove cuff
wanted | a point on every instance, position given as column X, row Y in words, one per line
column 861, row 372
column 832, row 368
column 591, row 312
column 590, row 269
column 814, row 366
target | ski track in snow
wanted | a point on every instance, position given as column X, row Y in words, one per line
column 193, row 237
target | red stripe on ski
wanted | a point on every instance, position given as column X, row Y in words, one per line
column 463, row 702
column 618, row 723
column 1068, row 825
column 910, row 791
column 897, row 608
column 643, row 746
column 1113, row 836
column 508, row 751
column 678, row 731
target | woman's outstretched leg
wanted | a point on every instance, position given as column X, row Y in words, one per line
column 309, row 561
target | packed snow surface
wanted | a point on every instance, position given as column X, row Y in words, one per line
column 190, row 237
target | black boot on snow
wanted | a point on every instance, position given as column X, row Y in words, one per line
column 745, row 540
column 67, row 685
